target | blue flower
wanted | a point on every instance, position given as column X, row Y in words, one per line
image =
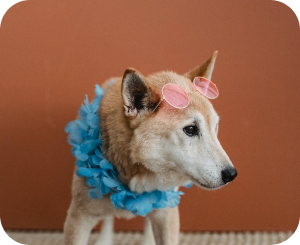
column 118, row 199
column 95, row 193
column 174, row 198
column 99, row 91
column 143, row 204
column 189, row 185
column 89, row 145
column 89, row 172
column 79, row 163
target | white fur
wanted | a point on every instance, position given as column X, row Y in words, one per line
column 178, row 158
column 106, row 236
column 148, row 233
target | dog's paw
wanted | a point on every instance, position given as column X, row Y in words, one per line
column 152, row 242
column 104, row 242
column 104, row 239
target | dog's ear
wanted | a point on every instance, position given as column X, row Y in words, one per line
column 204, row 70
column 137, row 96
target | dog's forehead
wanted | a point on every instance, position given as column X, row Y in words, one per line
column 159, row 79
column 197, row 102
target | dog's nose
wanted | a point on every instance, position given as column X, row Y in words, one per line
column 228, row 174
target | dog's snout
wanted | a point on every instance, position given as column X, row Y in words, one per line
column 228, row 174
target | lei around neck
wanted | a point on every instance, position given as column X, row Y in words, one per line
column 84, row 134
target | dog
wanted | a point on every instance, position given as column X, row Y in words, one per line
column 153, row 148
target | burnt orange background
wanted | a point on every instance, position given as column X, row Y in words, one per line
column 53, row 52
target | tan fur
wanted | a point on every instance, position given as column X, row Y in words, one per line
column 139, row 143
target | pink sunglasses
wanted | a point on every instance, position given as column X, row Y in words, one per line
column 175, row 96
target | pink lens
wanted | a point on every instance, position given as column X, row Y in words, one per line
column 175, row 95
column 206, row 87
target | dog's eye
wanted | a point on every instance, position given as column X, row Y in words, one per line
column 191, row 131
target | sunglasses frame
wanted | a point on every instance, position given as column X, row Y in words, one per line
column 209, row 82
column 164, row 98
column 162, row 92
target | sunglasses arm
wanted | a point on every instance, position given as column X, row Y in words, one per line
column 161, row 100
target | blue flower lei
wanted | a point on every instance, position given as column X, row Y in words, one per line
column 84, row 134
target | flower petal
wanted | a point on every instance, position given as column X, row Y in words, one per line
column 117, row 199
column 87, row 104
column 93, row 120
column 96, row 160
column 105, row 189
column 98, row 91
column 105, row 164
column 93, row 181
column 89, row 172
column 93, row 133
column 189, row 185
column 89, row 145
column 79, row 163
column 140, row 206
column 98, row 153
column 173, row 198
column 81, row 156
column 70, row 125
column 95, row 193
column 82, row 124
column 95, row 105
column 110, row 182
column 83, row 112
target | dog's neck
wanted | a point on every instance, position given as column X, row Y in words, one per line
column 116, row 135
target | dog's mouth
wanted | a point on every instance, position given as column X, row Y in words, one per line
column 199, row 184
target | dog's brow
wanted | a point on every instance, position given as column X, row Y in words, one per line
column 198, row 119
column 192, row 121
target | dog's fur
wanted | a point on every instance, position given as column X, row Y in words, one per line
column 151, row 151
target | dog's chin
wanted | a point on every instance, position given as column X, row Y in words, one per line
column 207, row 187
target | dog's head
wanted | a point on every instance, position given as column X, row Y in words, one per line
column 180, row 145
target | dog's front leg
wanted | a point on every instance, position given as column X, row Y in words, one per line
column 165, row 225
column 78, row 226
column 106, row 235
column 148, row 238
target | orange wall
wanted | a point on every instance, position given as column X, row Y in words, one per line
column 53, row 52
